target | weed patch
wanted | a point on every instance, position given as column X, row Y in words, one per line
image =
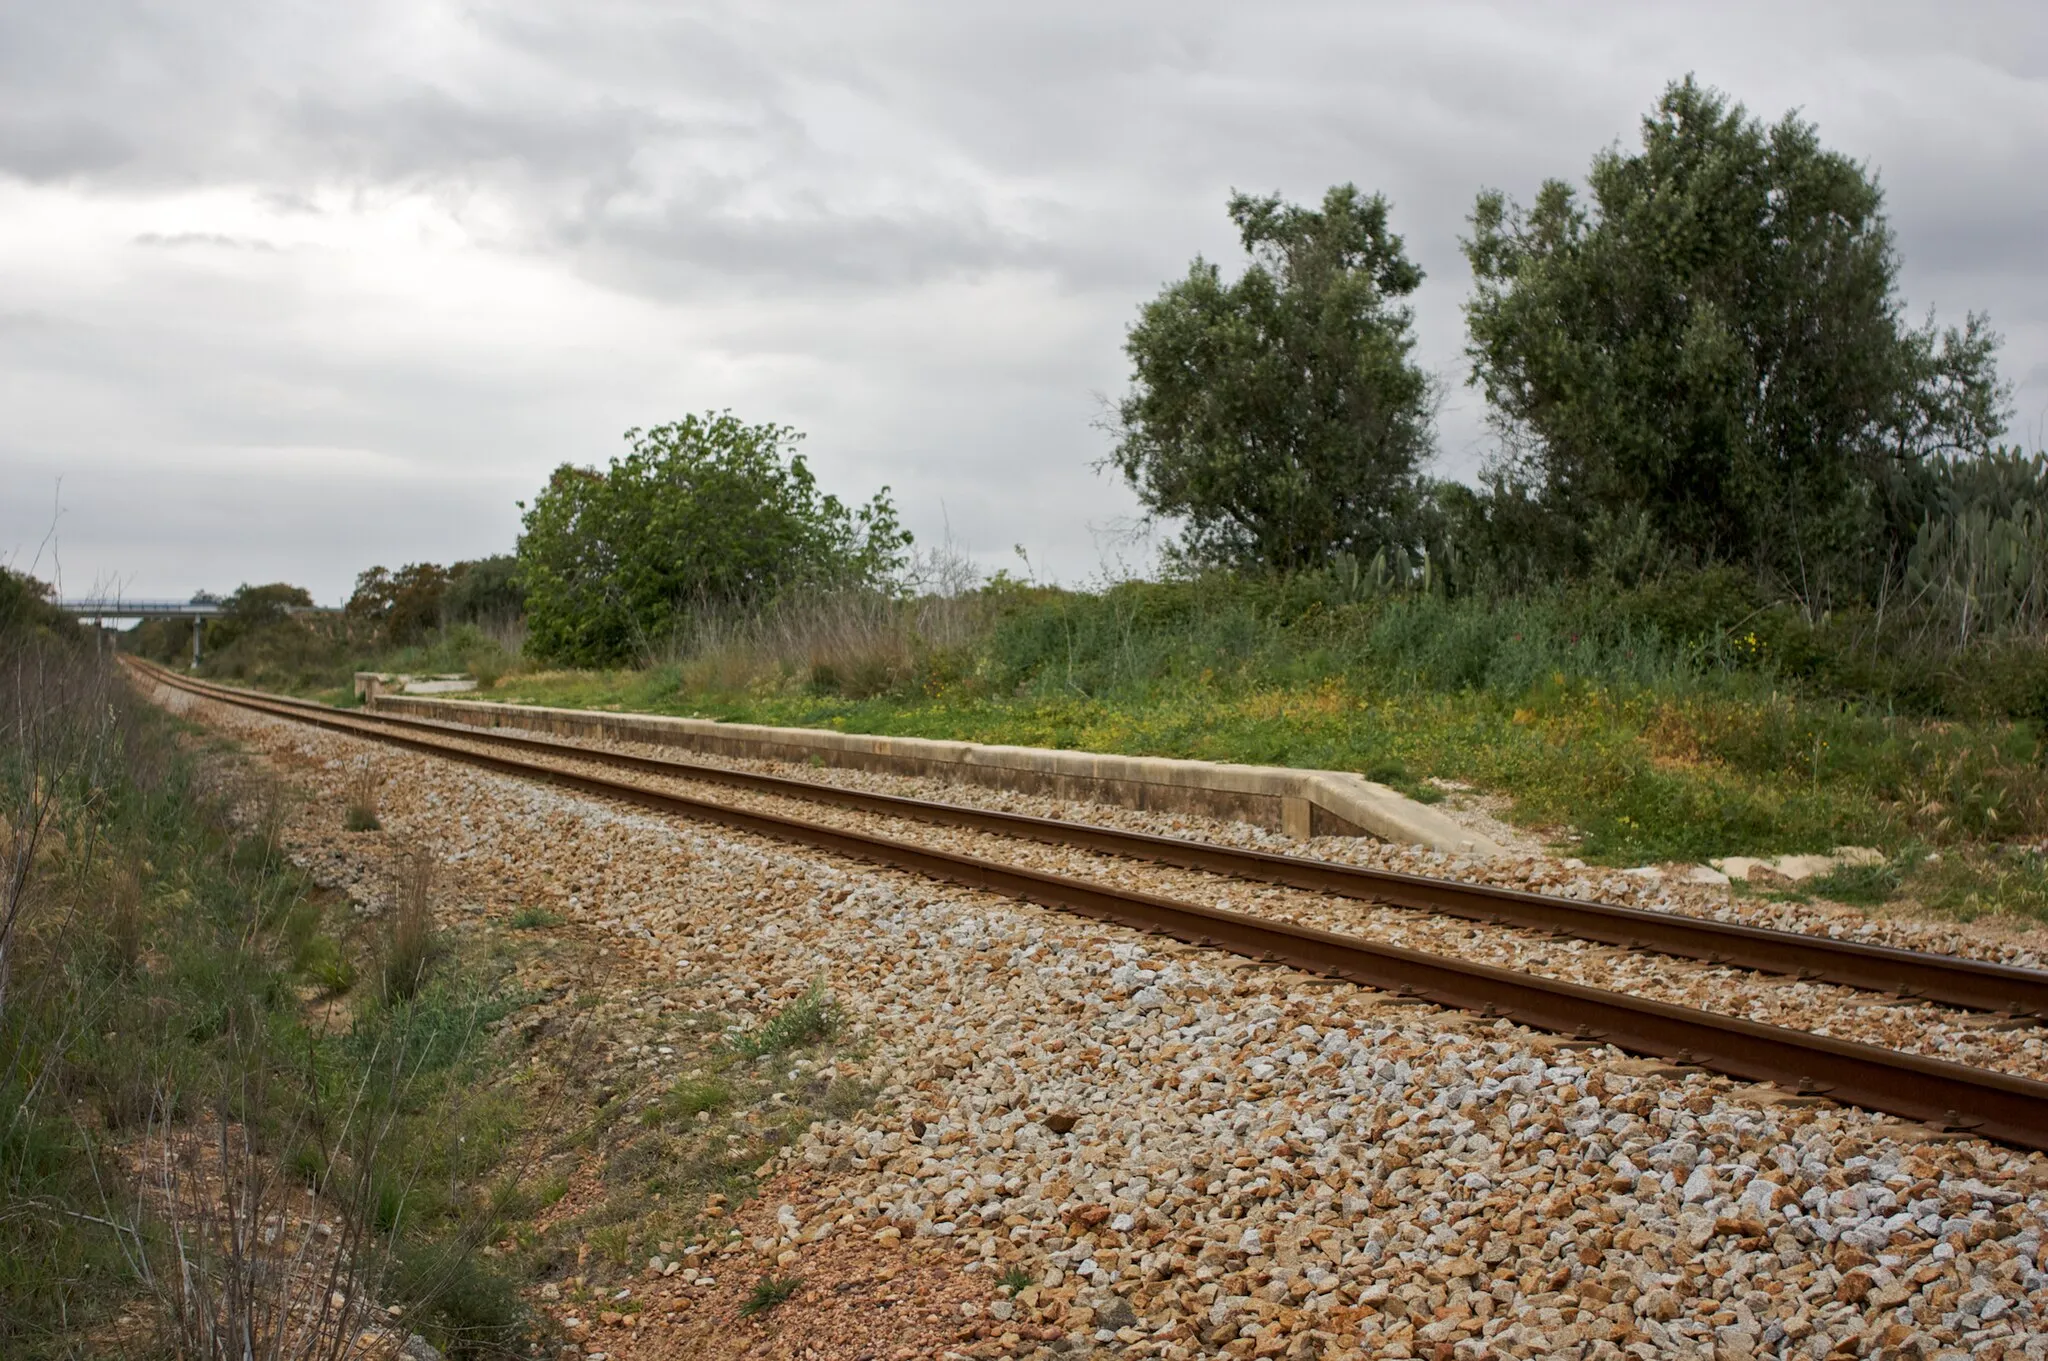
column 1967, row 886
column 768, row 1292
column 1859, row 885
column 807, row 1020
column 846, row 1096
column 690, row 1096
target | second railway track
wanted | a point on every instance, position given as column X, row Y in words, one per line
column 2002, row 1106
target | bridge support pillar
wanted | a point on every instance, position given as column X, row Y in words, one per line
column 198, row 632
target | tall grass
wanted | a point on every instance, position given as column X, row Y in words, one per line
column 1682, row 718
column 360, row 812
column 1141, row 638
column 411, row 944
column 856, row 643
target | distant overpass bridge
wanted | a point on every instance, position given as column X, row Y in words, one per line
column 114, row 607
column 100, row 609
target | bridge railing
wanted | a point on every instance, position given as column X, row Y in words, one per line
column 117, row 608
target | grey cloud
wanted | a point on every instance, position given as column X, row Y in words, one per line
column 424, row 133
column 172, row 240
column 917, row 230
column 699, row 247
column 42, row 149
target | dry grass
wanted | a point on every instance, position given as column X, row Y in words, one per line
column 855, row 643
column 244, row 1272
column 125, row 924
column 363, row 787
column 412, row 945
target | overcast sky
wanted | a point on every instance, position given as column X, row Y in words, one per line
column 290, row 288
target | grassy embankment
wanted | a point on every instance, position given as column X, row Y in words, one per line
column 203, row 1058
column 229, row 1098
column 1674, row 723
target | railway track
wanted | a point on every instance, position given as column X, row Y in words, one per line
column 1971, row 985
column 1953, row 1096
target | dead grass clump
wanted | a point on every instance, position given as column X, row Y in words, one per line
column 411, row 944
column 363, row 787
column 124, row 923
column 267, row 808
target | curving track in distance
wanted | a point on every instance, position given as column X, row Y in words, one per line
column 1954, row 1096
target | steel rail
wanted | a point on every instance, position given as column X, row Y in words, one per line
column 1994, row 1105
column 1948, row 980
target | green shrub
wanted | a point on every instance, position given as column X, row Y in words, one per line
column 704, row 511
column 322, row 961
column 463, row 1306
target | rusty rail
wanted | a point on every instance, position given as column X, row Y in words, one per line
column 1949, row 980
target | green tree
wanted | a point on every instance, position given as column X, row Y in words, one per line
column 484, row 591
column 1710, row 358
column 253, row 606
column 403, row 606
column 707, row 512
column 26, row 605
column 1280, row 417
column 254, row 609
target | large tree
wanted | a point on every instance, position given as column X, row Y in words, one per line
column 1713, row 351
column 1280, row 416
column 705, row 513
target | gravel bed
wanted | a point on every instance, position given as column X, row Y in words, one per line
column 1191, row 1155
column 1938, row 1032
column 1659, row 888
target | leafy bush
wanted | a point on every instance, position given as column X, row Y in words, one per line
column 403, row 607
column 703, row 513
column 26, row 607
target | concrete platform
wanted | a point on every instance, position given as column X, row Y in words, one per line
column 370, row 684
column 1297, row 802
